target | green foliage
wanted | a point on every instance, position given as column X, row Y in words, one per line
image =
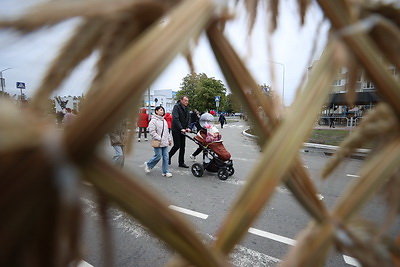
column 232, row 104
column 201, row 91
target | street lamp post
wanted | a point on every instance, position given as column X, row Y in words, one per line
column 283, row 79
column 2, row 79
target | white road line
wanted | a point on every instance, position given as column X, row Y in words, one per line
column 272, row 236
column 351, row 261
column 189, row 212
column 244, row 257
column 84, row 264
column 353, row 175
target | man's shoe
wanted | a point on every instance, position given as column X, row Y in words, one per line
column 145, row 139
column 168, row 174
column 183, row 165
column 192, row 157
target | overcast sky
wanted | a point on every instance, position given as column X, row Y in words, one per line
column 29, row 56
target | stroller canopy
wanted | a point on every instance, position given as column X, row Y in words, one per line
column 206, row 118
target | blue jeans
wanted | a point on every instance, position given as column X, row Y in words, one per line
column 119, row 157
column 159, row 152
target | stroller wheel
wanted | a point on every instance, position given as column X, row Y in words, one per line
column 197, row 169
column 230, row 170
column 223, row 174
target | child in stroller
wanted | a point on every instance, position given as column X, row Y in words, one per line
column 215, row 157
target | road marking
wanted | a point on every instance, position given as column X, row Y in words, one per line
column 353, row 175
column 242, row 256
column 235, row 182
column 272, row 236
column 351, row 261
column 84, row 264
column 189, row 212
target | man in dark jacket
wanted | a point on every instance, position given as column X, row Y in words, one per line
column 180, row 124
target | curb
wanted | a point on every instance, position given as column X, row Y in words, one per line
column 360, row 153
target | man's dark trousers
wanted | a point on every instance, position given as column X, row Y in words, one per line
column 179, row 143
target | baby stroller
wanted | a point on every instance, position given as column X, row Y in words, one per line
column 215, row 157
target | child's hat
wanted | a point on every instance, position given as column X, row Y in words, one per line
column 213, row 130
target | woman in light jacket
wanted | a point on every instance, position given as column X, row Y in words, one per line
column 158, row 130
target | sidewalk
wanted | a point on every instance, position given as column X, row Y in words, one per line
column 360, row 153
column 338, row 127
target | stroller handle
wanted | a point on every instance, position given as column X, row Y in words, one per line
column 188, row 136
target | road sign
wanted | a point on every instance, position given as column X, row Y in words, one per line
column 20, row 85
column 217, row 98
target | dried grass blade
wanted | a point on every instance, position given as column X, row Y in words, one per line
column 279, row 153
column 152, row 211
column 364, row 49
column 240, row 80
column 79, row 47
column 298, row 180
column 312, row 247
column 379, row 121
column 152, row 52
column 53, row 12
column 372, row 176
column 305, row 192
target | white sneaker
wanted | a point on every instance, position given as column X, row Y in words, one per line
column 192, row 157
column 168, row 174
column 145, row 139
column 146, row 168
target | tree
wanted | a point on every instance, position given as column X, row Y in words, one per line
column 232, row 104
column 201, row 91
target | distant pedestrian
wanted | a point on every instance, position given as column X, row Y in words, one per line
column 143, row 123
column 168, row 119
column 158, row 130
column 222, row 120
column 180, row 124
column 68, row 117
column 194, row 119
column 118, row 139
column 332, row 122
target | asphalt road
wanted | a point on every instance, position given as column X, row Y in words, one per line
column 204, row 202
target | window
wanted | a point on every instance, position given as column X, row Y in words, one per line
column 394, row 72
column 337, row 82
column 368, row 85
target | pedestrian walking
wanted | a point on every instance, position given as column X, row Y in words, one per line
column 332, row 122
column 180, row 124
column 143, row 123
column 194, row 120
column 168, row 119
column 118, row 139
column 222, row 120
column 158, row 130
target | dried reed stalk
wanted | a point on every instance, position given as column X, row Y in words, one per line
column 240, row 80
column 268, row 173
column 152, row 211
column 22, row 147
column 185, row 22
column 364, row 49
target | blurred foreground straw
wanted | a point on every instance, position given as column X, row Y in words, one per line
column 45, row 166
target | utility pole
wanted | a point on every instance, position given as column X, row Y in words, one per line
column 2, row 80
